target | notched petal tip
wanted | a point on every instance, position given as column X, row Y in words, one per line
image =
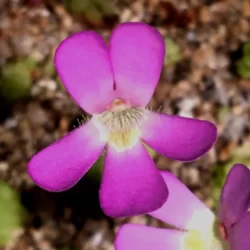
column 137, row 53
column 89, row 84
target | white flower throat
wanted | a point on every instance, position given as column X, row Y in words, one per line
column 204, row 236
column 120, row 124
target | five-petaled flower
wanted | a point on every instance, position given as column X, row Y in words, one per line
column 114, row 84
column 234, row 210
column 193, row 224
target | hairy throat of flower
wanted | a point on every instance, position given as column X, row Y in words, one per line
column 119, row 124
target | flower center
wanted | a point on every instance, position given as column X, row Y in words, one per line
column 120, row 124
column 204, row 239
column 194, row 241
column 203, row 234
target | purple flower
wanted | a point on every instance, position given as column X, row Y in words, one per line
column 185, row 211
column 234, row 211
column 114, row 84
column 193, row 224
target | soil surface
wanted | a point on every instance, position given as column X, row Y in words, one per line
column 203, row 82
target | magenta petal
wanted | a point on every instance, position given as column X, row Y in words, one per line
column 178, row 138
column 131, row 183
column 139, row 237
column 239, row 234
column 137, row 53
column 235, row 195
column 60, row 166
column 82, row 62
column 182, row 208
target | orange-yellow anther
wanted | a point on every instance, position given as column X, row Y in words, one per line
column 118, row 105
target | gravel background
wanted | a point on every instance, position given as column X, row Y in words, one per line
column 203, row 83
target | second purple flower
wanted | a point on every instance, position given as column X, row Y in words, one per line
column 114, row 84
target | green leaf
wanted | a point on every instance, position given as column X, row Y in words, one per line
column 67, row 248
column 223, row 113
column 95, row 172
column 243, row 65
column 243, row 69
column 29, row 62
column 93, row 9
column 93, row 14
column 49, row 68
column 11, row 212
column 105, row 7
column 173, row 54
column 77, row 6
column 15, row 80
column 246, row 49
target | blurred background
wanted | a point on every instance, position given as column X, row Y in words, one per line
column 206, row 75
